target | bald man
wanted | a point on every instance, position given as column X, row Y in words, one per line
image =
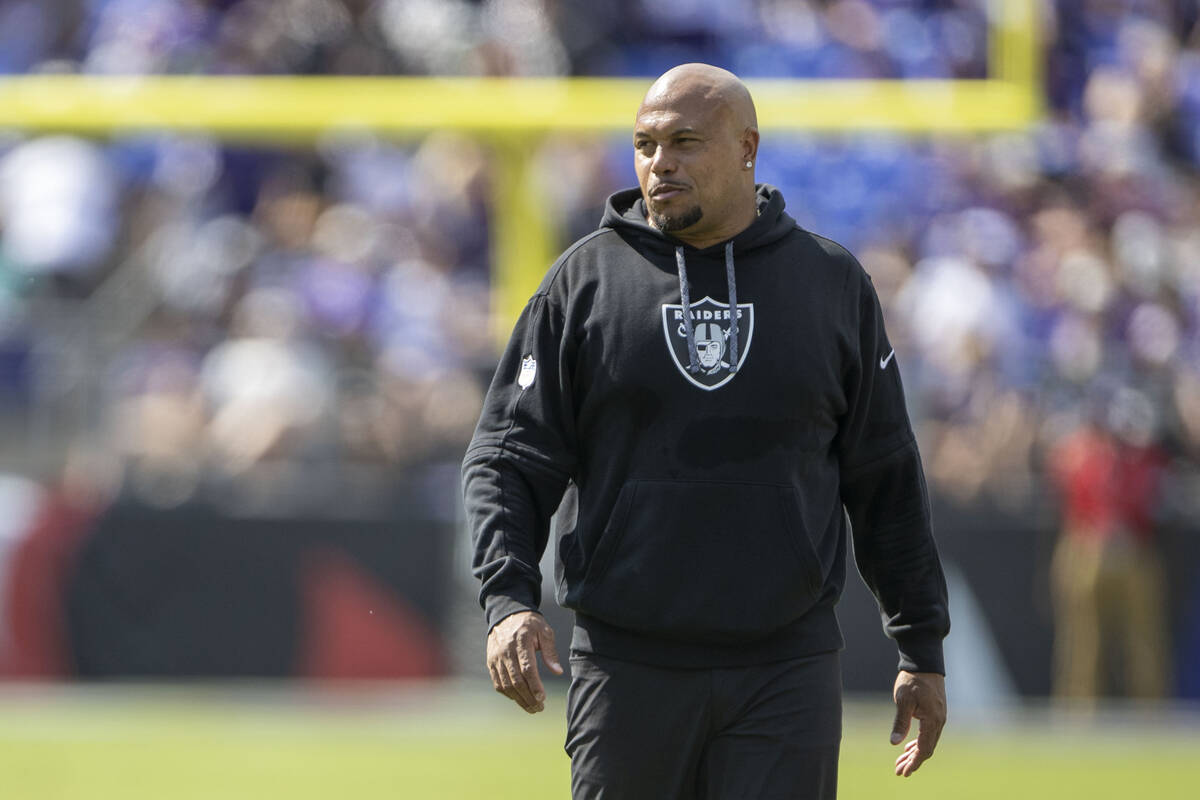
column 705, row 393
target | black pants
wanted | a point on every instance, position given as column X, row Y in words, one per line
column 637, row 732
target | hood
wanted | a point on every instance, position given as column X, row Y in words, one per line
column 625, row 212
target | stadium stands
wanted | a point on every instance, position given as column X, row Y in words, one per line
column 170, row 294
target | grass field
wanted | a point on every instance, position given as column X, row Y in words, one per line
column 450, row 742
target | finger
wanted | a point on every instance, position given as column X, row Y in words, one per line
column 908, row 762
column 549, row 652
column 907, row 754
column 496, row 682
column 913, row 759
column 927, row 738
column 521, row 691
column 504, row 681
column 904, row 711
column 527, row 662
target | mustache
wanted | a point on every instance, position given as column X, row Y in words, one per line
column 665, row 187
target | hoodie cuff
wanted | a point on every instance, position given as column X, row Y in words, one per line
column 922, row 655
column 504, row 604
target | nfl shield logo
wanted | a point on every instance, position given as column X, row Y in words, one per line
column 528, row 372
column 710, row 323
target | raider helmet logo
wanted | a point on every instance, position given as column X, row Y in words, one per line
column 710, row 323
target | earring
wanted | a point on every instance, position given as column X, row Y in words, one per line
column 749, row 164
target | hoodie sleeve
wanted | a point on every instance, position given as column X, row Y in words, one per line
column 883, row 489
column 519, row 462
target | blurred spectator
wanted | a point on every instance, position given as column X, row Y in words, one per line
column 58, row 208
column 1109, row 589
column 39, row 546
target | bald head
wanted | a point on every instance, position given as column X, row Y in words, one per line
column 713, row 86
column 696, row 138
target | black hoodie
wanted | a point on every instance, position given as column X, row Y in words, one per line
column 701, row 520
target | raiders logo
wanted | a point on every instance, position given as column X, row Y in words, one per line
column 710, row 323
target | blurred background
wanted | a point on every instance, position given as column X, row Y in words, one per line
column 237, row 377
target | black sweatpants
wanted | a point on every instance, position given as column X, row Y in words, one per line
column 638, row 732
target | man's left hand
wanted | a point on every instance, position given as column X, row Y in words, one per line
column 921, row 695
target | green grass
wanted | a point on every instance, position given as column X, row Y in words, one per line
column 438, row 742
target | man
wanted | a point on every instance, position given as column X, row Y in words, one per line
column 1107, row 572
column 699, row 454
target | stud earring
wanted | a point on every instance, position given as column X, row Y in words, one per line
column 749, row 164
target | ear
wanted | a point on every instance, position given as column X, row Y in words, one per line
column 750, row 144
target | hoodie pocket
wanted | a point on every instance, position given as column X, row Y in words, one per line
column 702, row 561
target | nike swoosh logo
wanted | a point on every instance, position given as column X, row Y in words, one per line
column 883, row 362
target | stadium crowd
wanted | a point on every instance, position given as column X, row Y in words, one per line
column 210, row 307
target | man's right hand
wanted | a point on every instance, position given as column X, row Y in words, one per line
column 511, row 661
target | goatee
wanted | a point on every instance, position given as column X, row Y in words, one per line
column 676, row 222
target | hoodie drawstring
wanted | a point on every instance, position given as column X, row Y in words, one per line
column 733, row 308
column 689, row 328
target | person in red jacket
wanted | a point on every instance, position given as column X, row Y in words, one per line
column 1107, row 574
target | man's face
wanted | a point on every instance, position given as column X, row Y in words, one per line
column 688, row 156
